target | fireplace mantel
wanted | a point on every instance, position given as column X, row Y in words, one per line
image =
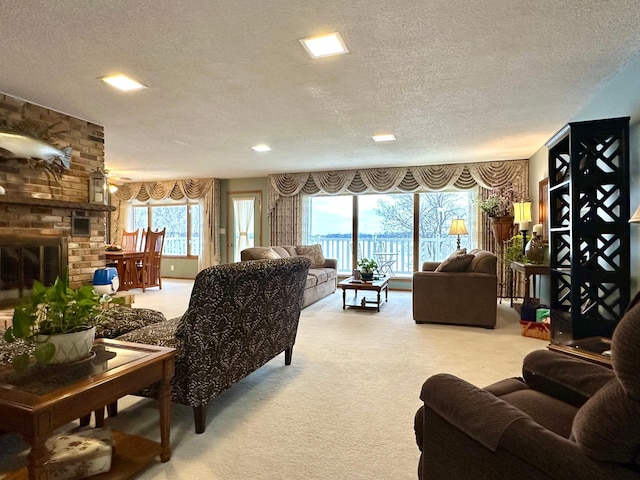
column 46, row 202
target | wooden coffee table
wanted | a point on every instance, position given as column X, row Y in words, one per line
column 375, row 286
column 41, row 399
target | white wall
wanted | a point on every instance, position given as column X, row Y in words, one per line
column 618, row 97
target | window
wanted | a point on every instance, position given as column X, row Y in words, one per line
column 385, row 231
column 329, row 222
column 387, row 227
column 437, row 210
column 182, row 223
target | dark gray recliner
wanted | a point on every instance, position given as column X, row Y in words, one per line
column 565, row 419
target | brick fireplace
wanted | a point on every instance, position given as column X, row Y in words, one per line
column 36, row 204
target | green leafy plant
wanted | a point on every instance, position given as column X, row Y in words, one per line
column 367, row 265
column 52, row 310
column 513, row 252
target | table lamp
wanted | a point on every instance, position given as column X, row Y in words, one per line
column 458, row 228
column 522, row 216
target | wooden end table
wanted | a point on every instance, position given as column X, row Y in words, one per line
column 528, row 270
column 374, row 285
column 41, row 399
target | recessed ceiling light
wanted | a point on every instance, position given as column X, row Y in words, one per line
column 387, row 137
column 261, row 148
column 324, row 45
column 122, row 82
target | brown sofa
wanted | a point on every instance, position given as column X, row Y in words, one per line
column 565, row 419
column 322, row 278
column 463, row 294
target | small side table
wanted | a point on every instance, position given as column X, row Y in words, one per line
column 528, row 270
column 40, row 400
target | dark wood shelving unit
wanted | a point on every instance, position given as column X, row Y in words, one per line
column 589, row 245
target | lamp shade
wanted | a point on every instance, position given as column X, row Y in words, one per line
column 635, row 218
column 458, row 227
column 521, row 212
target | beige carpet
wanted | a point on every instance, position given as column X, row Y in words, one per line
column 343, row 409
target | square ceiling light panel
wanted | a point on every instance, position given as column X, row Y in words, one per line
column 386, row 137
column 324, row 45
column 261, row 148
column 122, row 82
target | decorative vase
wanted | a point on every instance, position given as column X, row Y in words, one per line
column 501, row 227
column 534, row 250
column 70, row 347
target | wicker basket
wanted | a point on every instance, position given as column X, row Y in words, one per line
column 536, row 330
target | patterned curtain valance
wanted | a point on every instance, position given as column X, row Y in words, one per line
column 173, row 189
column 514, row 173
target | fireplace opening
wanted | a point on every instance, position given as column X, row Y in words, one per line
column 24, row 259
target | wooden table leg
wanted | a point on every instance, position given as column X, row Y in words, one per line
column 38, row 458
column 526, row 290
column 344, row 298
column 378, row 300
column 99, row 415
column 165, row 412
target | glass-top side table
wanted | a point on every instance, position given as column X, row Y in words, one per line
column 41, row 399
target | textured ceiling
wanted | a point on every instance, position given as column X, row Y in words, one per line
column 455, row 81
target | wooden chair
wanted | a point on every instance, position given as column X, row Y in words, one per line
column 149, row 271
column 129, row 244
column 130, row 241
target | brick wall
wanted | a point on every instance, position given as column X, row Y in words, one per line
column 22, row 180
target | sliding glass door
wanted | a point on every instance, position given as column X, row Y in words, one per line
column 399, row 231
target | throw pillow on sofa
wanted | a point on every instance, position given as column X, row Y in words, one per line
column 270, row 254
column 313, row 252
column 458, row 263
column 457, row 252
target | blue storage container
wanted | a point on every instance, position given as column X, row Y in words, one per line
column 105, row 280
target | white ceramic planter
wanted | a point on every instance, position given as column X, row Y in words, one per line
column 70, row 347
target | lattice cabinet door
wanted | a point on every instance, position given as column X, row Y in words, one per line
column 589, row 245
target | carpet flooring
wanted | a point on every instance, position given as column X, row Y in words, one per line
column 342, row 410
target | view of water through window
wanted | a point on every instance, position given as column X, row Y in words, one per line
column 385, row 227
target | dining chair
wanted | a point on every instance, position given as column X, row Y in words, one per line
column 149, row 271
column 130, row 241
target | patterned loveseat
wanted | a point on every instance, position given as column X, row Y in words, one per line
column 322, row 279
column 240, row 316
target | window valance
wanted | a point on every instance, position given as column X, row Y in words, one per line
column 514, row 173
column 174, row 189
column 205, row 190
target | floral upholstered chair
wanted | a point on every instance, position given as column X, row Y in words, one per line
column 240, row 316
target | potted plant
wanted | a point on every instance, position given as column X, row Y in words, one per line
column 53, row 316
column 367, row 268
